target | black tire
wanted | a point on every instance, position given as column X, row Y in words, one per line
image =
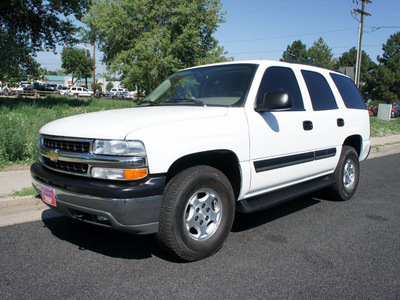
column 197, row 213
column 346, row 174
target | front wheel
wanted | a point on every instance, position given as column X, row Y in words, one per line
column 197, row 213
column 346, row 174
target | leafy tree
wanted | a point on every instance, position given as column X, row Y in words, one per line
column 296, row 52
column 16, row 62
column 145, row 41
column 29, row 26
column 76, row 62
column 320, row 54
column 349, row 59
column 387, row 73
column 109, row 86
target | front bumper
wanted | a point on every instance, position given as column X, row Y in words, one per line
column 126, row 206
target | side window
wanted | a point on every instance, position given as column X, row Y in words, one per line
column 319, row 90
column 281, row 79
column 349, row 92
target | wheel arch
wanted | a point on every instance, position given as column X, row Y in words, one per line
column 354, row 141
column 224, row 160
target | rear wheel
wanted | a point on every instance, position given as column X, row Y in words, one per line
column 197, row 213
column 346, row 174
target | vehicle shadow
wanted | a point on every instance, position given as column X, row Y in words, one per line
column 88, row 237
column 105, row 241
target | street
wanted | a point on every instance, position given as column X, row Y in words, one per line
column 309, row 248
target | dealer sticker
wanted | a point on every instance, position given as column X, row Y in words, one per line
column 48, row 195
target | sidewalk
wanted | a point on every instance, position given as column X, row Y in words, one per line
column 15, row 210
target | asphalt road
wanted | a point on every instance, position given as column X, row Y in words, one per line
column 310, row 248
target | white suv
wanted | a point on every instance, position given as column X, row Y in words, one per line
column 79, row 92
column 209, row 141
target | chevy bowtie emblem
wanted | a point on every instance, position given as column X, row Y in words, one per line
column 53, row 155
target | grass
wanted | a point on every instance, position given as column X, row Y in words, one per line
column 25, row 192
column 21, row 119
column 384, row 128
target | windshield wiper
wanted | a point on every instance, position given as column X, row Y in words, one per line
column 145, row 102
column 191, row 100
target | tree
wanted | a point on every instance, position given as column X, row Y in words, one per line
column 76, row 62
column 109, row 86
column 16, row 62
column 296, row 52
column 387, row 73
column 145, row 41
column 29, row 26
column 349, row 59
column 320, row 54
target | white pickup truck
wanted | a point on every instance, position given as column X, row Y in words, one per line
column 209, row 141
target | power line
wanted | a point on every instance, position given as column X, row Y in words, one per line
column 289, row 36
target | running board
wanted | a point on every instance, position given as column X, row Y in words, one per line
column 268, row 200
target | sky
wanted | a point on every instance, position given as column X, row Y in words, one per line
column 262, row 29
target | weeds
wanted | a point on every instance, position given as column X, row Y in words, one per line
column 21, row 119
column 25, row 192
column 384, row 128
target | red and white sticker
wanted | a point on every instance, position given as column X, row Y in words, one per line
column 48, row 195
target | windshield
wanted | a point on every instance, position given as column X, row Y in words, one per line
column 223, row 85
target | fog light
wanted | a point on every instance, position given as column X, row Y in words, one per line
column 102, row 219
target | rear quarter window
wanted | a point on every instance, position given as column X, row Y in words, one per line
column 349, row 92
column 320, row 92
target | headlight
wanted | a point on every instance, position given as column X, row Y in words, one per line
column 121, row 148
column 134, row 149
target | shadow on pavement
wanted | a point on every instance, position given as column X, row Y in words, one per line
column 102, row 240
column 128, row 246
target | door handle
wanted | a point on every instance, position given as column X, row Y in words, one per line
column 340, row 122
column 308, row 125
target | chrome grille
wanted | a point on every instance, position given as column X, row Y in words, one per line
column 64, row 166
column 65, row 145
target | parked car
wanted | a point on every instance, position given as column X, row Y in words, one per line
column 374, row 111
column 29, row 88
column 396, row 108
column 115, row 91
column 209, row 141
column 79, row 92
column 62, row 89
column 123, row 95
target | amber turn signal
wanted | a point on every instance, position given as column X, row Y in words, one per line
column 135, row 174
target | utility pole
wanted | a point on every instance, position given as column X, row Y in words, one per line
column 359, row 52
column 94, row 66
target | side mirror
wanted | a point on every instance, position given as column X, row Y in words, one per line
column 275, row 101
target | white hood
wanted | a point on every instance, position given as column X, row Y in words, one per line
column 117, row 124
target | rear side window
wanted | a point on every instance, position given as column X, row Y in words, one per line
column 281, row 79
column 319, row 90
column 349, row 92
